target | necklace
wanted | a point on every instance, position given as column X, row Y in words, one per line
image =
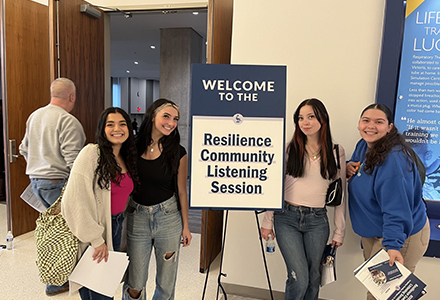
column 152, row 146
column 315, row 155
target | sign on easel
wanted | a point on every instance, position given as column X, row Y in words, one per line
column 237, row 136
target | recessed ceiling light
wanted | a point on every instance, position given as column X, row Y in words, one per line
column 128, row 71
column 153, row 47
column 195, row 13
column 136, row 62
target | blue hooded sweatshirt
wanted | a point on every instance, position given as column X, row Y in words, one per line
column 387, row 203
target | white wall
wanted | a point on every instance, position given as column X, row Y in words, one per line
column 332, row 51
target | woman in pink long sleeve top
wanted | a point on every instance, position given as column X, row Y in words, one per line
column 302, row 228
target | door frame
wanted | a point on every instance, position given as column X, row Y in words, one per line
column 5, row 116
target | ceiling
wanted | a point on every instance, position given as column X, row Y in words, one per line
column 131, row 38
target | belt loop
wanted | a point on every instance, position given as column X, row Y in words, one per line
column 163, row 204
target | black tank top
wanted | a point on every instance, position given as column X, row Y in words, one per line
column 156, row 185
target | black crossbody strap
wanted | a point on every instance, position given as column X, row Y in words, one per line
column 337, row 155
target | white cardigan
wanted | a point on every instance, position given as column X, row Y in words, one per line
column 85, row 206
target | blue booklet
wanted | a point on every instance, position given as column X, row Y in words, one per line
column 387, row 282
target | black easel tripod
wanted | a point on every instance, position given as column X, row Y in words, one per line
column 219, row 285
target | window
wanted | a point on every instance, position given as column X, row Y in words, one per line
column 116, row 92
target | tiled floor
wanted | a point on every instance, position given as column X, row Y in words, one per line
column 19, row 274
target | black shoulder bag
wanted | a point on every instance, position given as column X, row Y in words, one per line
column 335, row 191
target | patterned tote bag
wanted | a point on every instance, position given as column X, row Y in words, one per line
column 57, row 248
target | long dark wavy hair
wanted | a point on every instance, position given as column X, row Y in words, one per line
column 170, row 144
column 108, row 170
column 380, row 150
column 296, row 150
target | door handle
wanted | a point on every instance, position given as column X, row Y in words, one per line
column 13, row 151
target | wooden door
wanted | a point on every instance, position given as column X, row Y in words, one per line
column 25, row 82
column 218, row 52
column 79, row 56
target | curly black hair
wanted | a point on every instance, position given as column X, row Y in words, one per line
column 108, row 170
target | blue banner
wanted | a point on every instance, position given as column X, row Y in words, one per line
column 237, row 136
column 418, row 101
column 418, row 97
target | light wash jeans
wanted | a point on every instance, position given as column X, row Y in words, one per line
column 117, row 220
column 302, row 234
column 46, row 190
column 159, row 227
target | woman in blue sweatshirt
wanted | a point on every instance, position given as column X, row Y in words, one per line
column 385, row 191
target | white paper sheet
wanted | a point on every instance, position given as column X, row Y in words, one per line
column 29, row 197
column 103, row 278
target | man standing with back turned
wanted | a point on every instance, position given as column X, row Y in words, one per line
column 51, row 143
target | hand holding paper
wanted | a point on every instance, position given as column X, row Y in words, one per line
column 395, row 255
column 104, row 277
column 101, row 253
column 388, row 282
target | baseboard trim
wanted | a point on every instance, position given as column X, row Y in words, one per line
column 251, row 292
column 246, row 291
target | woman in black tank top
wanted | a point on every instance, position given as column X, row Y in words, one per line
column 157, row 216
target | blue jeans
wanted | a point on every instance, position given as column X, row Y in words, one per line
column 47, row 190
column 117, row 220
column 159, row 227
column 302, row 233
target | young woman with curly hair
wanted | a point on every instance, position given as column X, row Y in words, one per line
column 157, row 216
column 102, row 178
column 302, row 228
column 385, row 191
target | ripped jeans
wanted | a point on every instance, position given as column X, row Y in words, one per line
column 302, row 234
column 159, row 227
